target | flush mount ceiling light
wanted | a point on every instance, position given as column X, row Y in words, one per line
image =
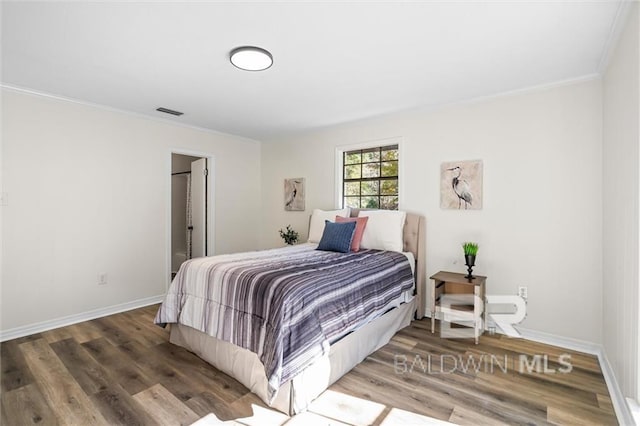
column 251, row 58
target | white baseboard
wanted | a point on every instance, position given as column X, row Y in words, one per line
column 26, row 330
column 620, row 404
column 560, row 341
column 635, row 409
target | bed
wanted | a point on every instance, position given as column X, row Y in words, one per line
column 245, row 355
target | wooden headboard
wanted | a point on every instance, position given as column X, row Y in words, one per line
column 415, row 241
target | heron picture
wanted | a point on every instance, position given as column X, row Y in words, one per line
column 461, row 185
column 294, row 194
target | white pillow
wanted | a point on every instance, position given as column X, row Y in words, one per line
column 384, row 230
column 316, row 227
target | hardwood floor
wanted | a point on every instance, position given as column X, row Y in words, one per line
column 122, row 370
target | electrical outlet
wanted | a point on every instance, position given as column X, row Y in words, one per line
column 523, row 292
column 102, row 278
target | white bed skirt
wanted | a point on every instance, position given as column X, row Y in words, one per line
column 295, row 395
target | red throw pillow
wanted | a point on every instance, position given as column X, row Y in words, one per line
column 361, row 223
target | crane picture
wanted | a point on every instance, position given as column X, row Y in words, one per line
column 461, row 188
column 294, row 194
column 461, row 185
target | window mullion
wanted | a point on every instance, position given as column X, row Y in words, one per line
column 378, row 180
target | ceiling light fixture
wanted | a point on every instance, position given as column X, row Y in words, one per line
column 251, row 58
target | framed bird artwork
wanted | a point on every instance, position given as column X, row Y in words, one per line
column 461, row 185
column 294, row 194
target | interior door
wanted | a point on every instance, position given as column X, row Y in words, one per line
column 199, row 207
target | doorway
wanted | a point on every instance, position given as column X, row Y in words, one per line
column 190, row 209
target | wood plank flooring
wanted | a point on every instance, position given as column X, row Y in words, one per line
column 121, row 369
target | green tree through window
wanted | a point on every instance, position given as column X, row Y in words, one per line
column 370, row 178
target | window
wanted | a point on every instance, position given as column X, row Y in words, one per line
column 370, row 178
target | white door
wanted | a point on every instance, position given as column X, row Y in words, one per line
column 199, row 207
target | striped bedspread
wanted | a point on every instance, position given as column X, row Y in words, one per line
column 286, row 305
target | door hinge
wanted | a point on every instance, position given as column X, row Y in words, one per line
column 206, row 172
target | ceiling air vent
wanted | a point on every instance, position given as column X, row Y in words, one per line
column 170, row 111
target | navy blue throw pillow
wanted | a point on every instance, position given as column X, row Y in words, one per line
column 337, row 236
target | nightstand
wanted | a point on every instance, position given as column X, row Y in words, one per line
column 451, row 283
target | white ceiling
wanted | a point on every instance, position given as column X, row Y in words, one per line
column 333, row 62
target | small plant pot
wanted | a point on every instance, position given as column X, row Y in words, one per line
column 470, row 261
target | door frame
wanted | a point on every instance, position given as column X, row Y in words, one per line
column 210, row 218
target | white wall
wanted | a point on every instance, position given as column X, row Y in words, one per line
column 621, row 136
column 89, row 192
column 541, row 224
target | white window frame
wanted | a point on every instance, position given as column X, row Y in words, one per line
column 341, row 149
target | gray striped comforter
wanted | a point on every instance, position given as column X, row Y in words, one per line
column 286, row 305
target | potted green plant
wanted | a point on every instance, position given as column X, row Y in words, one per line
column 289, row 235
column 470, row 252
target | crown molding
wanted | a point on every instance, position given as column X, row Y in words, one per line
column 623, row 12
column 33, row 92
